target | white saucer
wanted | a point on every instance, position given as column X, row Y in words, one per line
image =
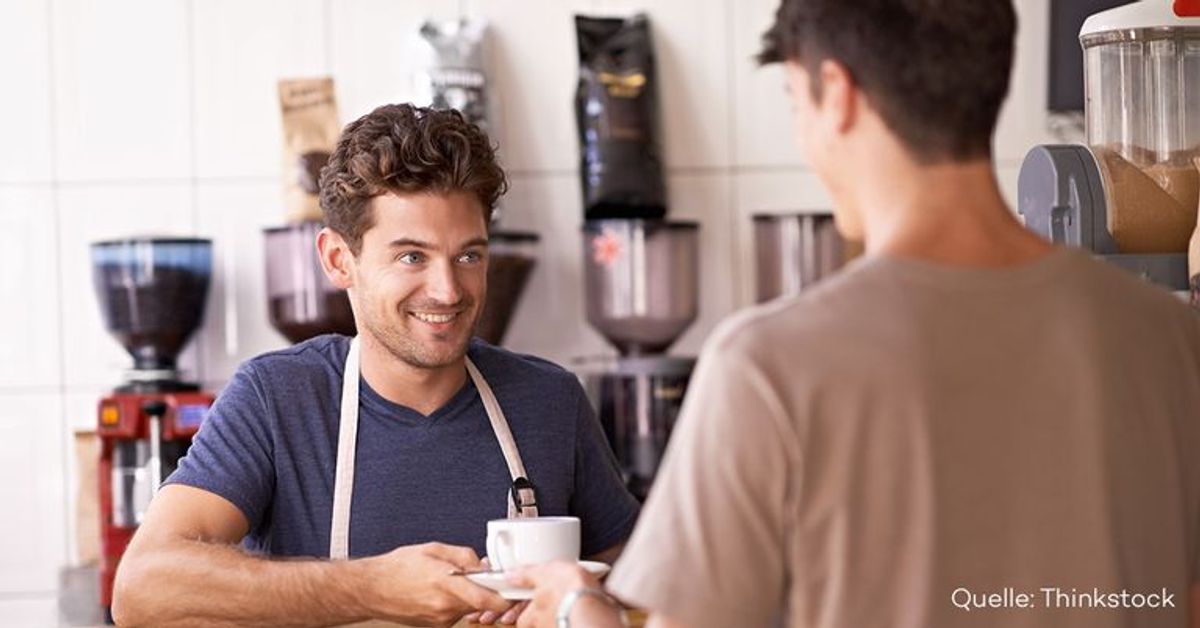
column 498, row 582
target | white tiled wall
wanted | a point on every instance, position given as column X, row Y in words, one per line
column 25, row 117
column 122, row 89
column 760, row 109
column 33, row 532
column 240, row 50
column 160, row 116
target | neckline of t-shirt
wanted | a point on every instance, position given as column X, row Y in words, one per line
column 1044, row 268
column 371, row 398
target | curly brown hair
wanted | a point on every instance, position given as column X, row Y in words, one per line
column 405, row 149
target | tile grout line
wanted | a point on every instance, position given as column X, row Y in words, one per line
column 17, row 596
column 56, row 213
column 734, row 212
column 194, row 136
column 530, row 173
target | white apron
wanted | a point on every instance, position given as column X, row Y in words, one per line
column 521, row 499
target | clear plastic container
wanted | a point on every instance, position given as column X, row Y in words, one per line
column 152, row 293
column 1142, row 86
column 301, row 301
column 512, row 256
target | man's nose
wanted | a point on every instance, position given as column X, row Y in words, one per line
column 443, row 283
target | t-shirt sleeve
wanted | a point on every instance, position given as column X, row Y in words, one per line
column 606, row 509
column 231, row 455
column 709, row 549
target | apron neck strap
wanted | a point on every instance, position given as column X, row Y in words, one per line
column 522, row 497
column 343, row 478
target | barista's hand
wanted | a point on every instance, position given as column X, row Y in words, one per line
column 413, row 585
column 489, row 618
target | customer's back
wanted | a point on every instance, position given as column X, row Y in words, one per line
column 968, row 427
column 953, row 434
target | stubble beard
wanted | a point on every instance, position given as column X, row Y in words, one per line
column 405, row 348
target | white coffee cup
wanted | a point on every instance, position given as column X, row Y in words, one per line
column 515, row 543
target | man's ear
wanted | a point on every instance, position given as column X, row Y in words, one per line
column 839, row 96
column 336, row 258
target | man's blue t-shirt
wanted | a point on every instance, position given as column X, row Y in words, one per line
column 269, row 444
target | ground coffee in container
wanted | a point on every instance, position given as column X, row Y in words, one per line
column 301, row 301
column 310, row 132
column 152, row 292
column 616, row 109
column 1152, row 206
column 512, row 256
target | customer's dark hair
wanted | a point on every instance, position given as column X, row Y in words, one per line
column 936, row 71
column 405, row 149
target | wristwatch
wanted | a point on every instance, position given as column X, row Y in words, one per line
column 563, row 616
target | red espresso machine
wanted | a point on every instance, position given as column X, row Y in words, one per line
column 151, row 293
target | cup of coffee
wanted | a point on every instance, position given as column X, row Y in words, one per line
column 516, row 543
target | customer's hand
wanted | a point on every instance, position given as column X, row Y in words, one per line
column 507, row 618
column 551, row 582
column 413, row 585
column 489, row 618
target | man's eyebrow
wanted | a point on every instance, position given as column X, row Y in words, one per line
column 406, row 242
column 420, row 244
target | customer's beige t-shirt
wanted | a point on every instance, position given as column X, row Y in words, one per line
column 852, row 457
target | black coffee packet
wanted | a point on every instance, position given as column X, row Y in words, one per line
column 616, row 109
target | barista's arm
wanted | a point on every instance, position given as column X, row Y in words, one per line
column 183, row 567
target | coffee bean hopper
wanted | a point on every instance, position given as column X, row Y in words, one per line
column 151, row 293
column 512, row 256
column 1129, row 196
column 301, row 302
column 641, row 288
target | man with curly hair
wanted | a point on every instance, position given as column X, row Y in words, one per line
column 389, row 452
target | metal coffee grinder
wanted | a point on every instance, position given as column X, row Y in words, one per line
column 794, row 251
column 151, row 293
column 1129, row 196
column 641, row 287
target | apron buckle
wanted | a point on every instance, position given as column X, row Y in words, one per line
column 524, row 494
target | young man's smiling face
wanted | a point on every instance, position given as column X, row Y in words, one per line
column 420, row 278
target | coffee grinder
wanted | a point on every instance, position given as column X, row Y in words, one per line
column 512, row 256
column 1129, row 196
column 641, row 287
column 151, row 293
column 796, row 250
column 301, row 301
